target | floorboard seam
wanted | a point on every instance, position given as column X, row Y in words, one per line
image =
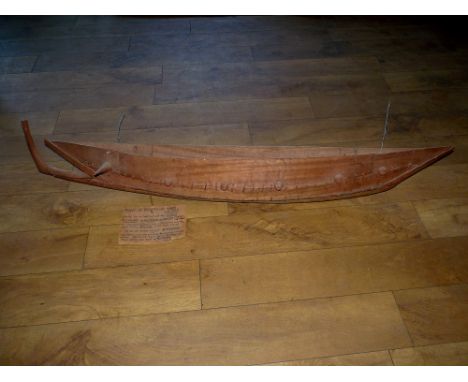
column 83, row 260
column 230, row 307
column 401, row 317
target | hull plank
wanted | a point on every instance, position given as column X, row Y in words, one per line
column 236, row 173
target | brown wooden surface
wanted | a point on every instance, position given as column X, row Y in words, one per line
column 365, row 281
column 282, row 174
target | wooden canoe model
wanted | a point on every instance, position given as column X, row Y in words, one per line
column 235, row 173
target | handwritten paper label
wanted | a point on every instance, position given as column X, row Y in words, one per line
column 149, row 225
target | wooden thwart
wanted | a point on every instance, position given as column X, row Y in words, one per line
column 238, row 173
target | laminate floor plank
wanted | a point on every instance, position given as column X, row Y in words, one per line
column 19, row 178
column 367, row 32
column 18, row 64
column 293, row 330
column 318, row 49
column 63, row 209
column 257, row 24
column 41, row 81
column 349, row 103
column 378, row 358
column 108, row 25
column 42, row 123
column 435, row 315
column 407, row 129
column 426, row 80
column 147, row 42
column 355, row 103
column 105, row 120
column 159, row 55
column 18, row 47
column 451, row 354
column 82, row 98
column 441, row 102
column 246, row 280
column 219, row 134
column 192, row 114
column 194, row 208
column 444, row 217
column 233, row 38
column 42, row 251
column 97, row 294
column 257, row 82
column 257, row 232
column 32, row 32
column 419, row 61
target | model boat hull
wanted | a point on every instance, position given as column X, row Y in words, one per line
column 233, row 173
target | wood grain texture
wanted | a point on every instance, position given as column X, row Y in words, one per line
column 378, row 358
column 222, row 134
column 403, row 130
column 376, row 33
column 349, row 103
column 315, row 328
column 435, row 315
column 442, row 102
column 318, row 49
column 248, row 80
column 76, row 45
column 42, row 251
column 332, row 272
column 426, row 80
column 182, row 115
column 194, row 208
column 82, row 98
column 97, row 25
column 85, row 79
column 203, row 113
column 59, row 210
column 262, row 233
column 238, row 173
column 57, row 61
column 418, row 61
column 452, row 354
column 104, row 120
column 215, row 82
column 100, row 293
column 436, row 182
column 44, row 123
column 444, row 217
column 23, row 178
column 20, row 64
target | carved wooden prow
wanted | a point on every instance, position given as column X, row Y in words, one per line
column 41, row 165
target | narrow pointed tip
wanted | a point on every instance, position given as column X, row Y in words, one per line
column 446, row 149
column 440, row 152
column 25, row 125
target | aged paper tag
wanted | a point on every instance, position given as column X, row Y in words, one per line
column 149, row 225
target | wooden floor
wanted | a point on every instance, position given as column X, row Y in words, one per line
column 378, row 280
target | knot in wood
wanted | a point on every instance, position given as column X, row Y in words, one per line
column 339, row 178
